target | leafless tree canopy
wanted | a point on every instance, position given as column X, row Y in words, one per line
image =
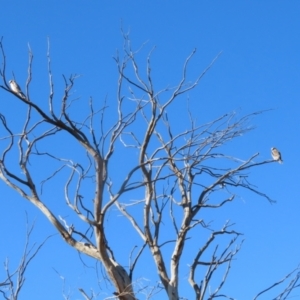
column 163, row 176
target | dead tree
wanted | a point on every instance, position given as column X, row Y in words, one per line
column 179, row 174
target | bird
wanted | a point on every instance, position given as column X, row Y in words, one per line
column 16, row 89
column 276, row 155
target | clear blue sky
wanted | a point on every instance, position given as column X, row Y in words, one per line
column 259, row 69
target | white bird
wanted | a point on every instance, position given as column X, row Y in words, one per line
column 276, row 155
column 16, row 89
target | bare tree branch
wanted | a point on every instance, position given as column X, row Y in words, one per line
column 293, row 284
column 12, row 285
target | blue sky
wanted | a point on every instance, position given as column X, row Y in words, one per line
column 259, row 68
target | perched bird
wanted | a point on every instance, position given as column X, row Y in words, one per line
column 276, row 155
column 16, row 89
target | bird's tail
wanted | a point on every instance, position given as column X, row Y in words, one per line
column 21, row 94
